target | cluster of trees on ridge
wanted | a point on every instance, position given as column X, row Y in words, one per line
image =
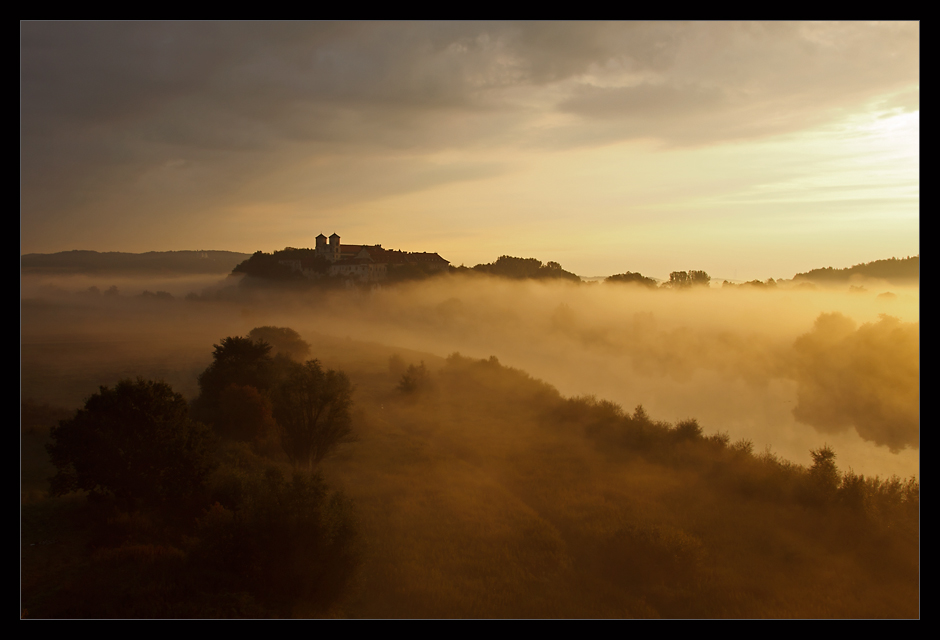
column 524, row 269
column 677, row 280
column 758, row 475
column 895, row 270
column 202, row 509
column 266, row 268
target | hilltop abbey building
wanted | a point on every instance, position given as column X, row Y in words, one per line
column 365, row 263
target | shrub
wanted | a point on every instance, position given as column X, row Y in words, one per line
column 414, row 379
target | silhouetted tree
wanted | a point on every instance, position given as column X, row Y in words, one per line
column 311, row 407
column 283, row 340
column 266, row 266
column 135, row 442
column 630, row 277
column 239, row 361
column 678, row 280
column 284, row 541
column 688, row 430
column 824, row 478
column 522, row 268
column 685, row 279
column 244, row 414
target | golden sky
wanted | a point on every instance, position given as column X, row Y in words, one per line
column 748, row 150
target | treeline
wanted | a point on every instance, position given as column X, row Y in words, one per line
column 677, row 522
column 523, row 269
column 677, row 280
column 897, row 271
column 266, row 269
column 152, row 262
column 223, row 516
column 268, row 266
column 735, row 466
column 770, row 283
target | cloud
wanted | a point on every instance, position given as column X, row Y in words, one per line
column 217, row 75
column 106, row 104
column 645, row 103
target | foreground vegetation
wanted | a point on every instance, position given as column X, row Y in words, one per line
column 185, row 519
column 489, row 494
column 473, row 491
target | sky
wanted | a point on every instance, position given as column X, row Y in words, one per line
column 748, row 150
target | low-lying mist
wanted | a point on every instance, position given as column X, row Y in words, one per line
column 787, row 368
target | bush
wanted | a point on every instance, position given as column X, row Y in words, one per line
column 414, row 379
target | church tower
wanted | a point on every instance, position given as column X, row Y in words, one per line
column 334, row 247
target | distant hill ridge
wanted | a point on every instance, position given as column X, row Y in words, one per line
column 183, row 262
column 894, row 270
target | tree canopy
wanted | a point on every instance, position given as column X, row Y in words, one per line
column 414, row 379
column 235, row 361
column 685, row 279
column 630, row 277
column 135, row 442
column 268, row 266
column 899, row 271
column 312, row 406
column 522, row 268
column 283, row 340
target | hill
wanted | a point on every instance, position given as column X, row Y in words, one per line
column 153, row 262
column 894, row 270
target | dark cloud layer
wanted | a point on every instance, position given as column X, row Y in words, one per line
column 104, row 104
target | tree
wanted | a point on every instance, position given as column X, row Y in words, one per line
column 414, row 379
column 630, row 277
column 699, row 278
column 688, row 430
column 283, row 340
column 239, row 361
column 522, row 268
column 283, row 541
column 824, row 477
column 311, row 407
column 135, row 442
column 685, row 279
column 678, row 280
column 244, row 415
